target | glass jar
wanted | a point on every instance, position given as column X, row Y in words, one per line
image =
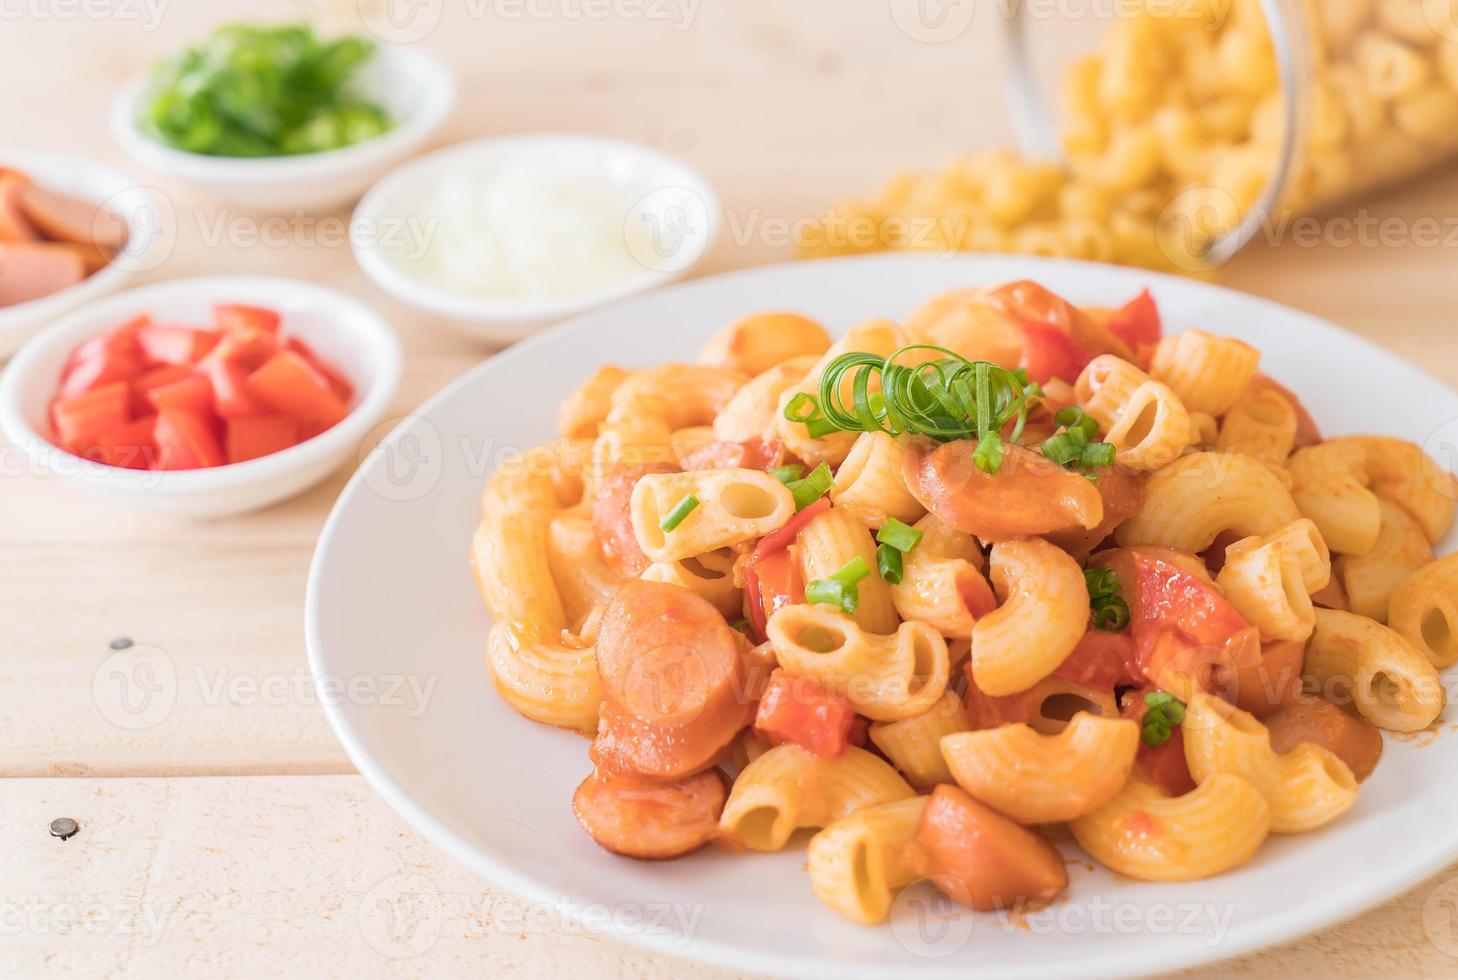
column 1194, row 125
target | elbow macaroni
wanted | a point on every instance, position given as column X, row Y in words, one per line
column 1208, row 373
column 1142, row 833
column 1189, row 502
column 1270, row 579
column 1036, row 778
column 1142, row 419
column 914, row 744
column 734, row 506
column 829, row 542
column 887, row 678
column 1041, row 620
column 858, row 863
column 869, row 484
column 1306, row 788
column 1424, row 611
column 788, row 788
column 1370, row 579
column 1392, row 685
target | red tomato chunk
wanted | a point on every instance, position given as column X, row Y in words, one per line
column 172, row 396
column 795, row 709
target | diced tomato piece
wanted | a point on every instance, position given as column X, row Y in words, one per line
column 233, row 316
column 130, row 446
column 102, row 368
column 158, row 377
column 1101, row 661
column 289, row 384
column 191, row 394
column 81, row 422
column 341, row 385
column 1050, row 353
column 772, row 576
column 796, row 709
column 782, row 537
column 1163, row 590
column 231, row 398
column 185, row 441
column 247, row 347
column 771, row 582
column 118, row 340
column 166, row 343
column 259, row 435
column 1136, row 323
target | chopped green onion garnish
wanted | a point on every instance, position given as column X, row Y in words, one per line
column 832, row 592
column 739, row 624
column 786, row 474
column 852, row 571
column 1163, row 713
column 804, row 493
column 820, row 478
column 802, row 408
column 901, row 536
column 682, row 509
column 1097, row 454
column 946, row 398
column 1101, row 582
column 812, row 487
column 1072, row 417
column 889, row 563
column 818, row 428
column 1065, row 447
column 988, row 455
column 1111, row 614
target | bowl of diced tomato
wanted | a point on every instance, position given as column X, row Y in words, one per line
column 203, row 397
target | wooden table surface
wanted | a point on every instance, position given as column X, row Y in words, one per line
column 231, row 834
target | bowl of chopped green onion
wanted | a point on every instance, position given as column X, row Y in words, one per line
column 276, row 118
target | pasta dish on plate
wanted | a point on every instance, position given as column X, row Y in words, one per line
column 938, row 588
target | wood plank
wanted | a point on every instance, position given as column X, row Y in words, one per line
column 315, row 876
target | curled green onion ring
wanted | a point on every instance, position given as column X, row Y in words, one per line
column 946, row 398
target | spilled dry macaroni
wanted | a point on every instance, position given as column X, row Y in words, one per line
column 1036, row 563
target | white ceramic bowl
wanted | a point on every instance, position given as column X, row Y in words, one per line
column 414, row 87
column 665, row 195
column 150, row 235
column 343, row 330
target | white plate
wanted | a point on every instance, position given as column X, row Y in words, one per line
column 390, row 595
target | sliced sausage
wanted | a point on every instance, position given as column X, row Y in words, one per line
column 753, row 454
column 650, row 821
column 64, row 218
column 665, row 653
column 14, row 225
column 1029, row 495
column 674, row 681
column 613, row 523
column 93, row 257
column 630, row 746
column 31, row 270
column 1122, row 493
column 978, row 857
column 1307, row 718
